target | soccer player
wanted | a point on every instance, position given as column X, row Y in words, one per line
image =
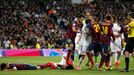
column 94, row 28
column 116, row 46
column 84, row 42
column 14, row 66
column 130, row 42
column 71, row 34
column 77, row 41
column 62, row 64
column 106, row 34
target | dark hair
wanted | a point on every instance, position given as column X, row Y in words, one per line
column 3, row 66
column 108, row 17
column 88, row 21
column 132, row 15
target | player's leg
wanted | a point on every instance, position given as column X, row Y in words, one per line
column 112, row 52
column 83, row 50
column 108, row 52
column 126, row 54
column 97, row 50
column 81, row 58
column 89, row 53
column 73, row 49
column 103, row 58
column 133, row 54
column 69, row 46
column 46, row 65
column 31, row 67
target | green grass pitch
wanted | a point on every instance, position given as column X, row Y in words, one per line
column 41, row 60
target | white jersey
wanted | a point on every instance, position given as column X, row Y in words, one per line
column 116, row 29
column 84, row 40
column 63, row 60
column 116, row 45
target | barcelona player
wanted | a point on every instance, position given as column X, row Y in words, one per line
column 70, row 36
column 106, row 34
column 94, row 28
column 14, row 66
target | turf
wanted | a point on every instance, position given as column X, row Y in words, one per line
column 41, row 60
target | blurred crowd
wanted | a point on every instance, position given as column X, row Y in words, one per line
column 29, row 24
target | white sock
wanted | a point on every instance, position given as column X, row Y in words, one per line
column 110, row 61
column 115, row 57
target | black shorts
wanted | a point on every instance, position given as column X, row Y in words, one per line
column 130, row 45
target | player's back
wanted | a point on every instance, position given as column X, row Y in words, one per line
column 106, row 32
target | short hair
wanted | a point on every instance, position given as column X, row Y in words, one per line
column 3, row 66
column 108, row 17
column 132, row 15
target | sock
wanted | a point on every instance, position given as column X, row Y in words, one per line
column 96, row 58
column 127, row 63
column 118, row 57
column 69, row 54
column 45, row 65
column 103, row 59
column 72, row 56
column 81, row 59
column 107, row 60
column 115, row 57
column 90, row 58
column 101, row 63
column 110, row 63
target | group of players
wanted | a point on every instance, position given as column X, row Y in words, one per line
column 88, row 37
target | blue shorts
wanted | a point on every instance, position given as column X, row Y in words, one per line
column 29, row 67
column 95, row 46
column 105, row 47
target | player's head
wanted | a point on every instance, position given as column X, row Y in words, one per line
column 132, row 15
column 108, row 17
column 3, row 66
column 80, row 18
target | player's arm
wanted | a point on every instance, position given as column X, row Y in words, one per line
column 13, row 69
column 131, row 25
column 74, row 29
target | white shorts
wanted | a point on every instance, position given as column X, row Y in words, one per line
column 83, row 50
column 116, row 46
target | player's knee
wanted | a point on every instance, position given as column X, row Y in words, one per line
column 126, row 54
column 133, row 54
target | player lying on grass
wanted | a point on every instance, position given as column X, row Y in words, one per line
column 63, row 64
column 14, row 66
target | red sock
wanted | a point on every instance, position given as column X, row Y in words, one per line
column 90, row 58
column 107, row 61
column 101, row 63
column 45, row 65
